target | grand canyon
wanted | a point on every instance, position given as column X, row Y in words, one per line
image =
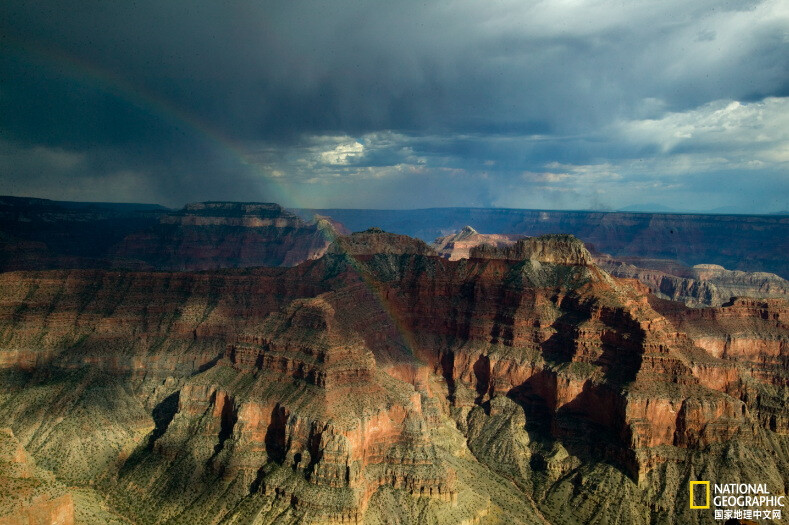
column 236, row 363
column 394, row 263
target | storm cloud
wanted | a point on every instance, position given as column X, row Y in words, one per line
column 540, row 104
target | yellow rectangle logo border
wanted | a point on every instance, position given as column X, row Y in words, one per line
column 692, row 506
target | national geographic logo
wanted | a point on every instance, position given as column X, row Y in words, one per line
column 736, row 500
column 699, row 490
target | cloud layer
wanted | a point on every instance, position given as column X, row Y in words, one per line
column 560, row 104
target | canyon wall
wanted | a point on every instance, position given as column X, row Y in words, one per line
column 752, row 243
column 699, row 285
column 521, row 385
column 38, row 234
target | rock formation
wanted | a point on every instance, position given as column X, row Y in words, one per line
column 29, row 495
column 384, row 383
column 210, row 235
column 458, row 246
column 376, row 241
column 552, row 249
column 700, row 285
column 37, row 234
column 752, row 243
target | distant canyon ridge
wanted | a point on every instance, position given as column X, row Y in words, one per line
column 700, row 260
column 752, row 243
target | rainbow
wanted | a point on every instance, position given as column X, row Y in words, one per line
column 81, row 70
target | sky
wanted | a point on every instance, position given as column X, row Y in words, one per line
column 560, row 104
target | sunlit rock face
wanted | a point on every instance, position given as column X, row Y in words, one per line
column 551, row 249
column 31, row 495
column 752, row 243
column 383, row 381
column 458, row 245
column 700, row 285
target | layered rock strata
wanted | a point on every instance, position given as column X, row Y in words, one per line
column 700, row 285
column 29, row 495
column 521, row 385
column 38, row 234
column 752, row 243
column 458, row 245
column 210, row 235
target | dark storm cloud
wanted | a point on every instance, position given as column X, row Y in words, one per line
column 326, row 102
